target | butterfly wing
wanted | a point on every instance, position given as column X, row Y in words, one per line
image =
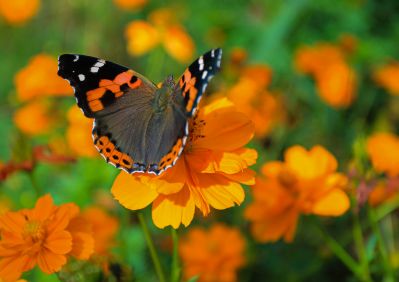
column 98, row 83
column 196, row 77
column 119, row 100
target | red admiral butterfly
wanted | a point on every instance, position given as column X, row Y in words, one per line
column 138, row 126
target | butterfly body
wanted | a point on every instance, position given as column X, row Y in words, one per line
column 138, row 126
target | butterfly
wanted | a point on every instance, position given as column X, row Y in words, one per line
column 138, row 126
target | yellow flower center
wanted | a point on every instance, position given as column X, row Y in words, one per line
column 34, row 230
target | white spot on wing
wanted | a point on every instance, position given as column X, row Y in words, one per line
column 201, row 63
column 204, row 74
column 94, row 69
column 76, row 58
column 213, row 53
column 81, row 77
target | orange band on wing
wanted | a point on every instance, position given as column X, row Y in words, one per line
column 112, row 154
column 187, row 84
column 172, row 156
column 126, row 78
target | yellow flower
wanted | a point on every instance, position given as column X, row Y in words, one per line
column 213, row 255
column 335, row 79
column 35, row 118
column 387, row 77
column 142, row 36
column 383, row 150
column 130, row 4
column 18, row 11
column 208, row 173
column 43, row 236
column 78, row 134
column 39, row 78
column 305, row 183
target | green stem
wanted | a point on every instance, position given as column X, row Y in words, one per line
column 360, row 247
column 175, row 272
column 341, row 254
column 389, row 272
column 151, row 247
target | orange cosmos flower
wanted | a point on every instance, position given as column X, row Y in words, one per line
column 208, row 173
column 383, row 150
column 387, row 77
column 18, row 11
column 213, row 255
column 104, row 227
column 142, row 36
column 39, row 78
column 383, row 192
column 335, row 79
column 264, row 107
column 130, row 4
column 78, row 134
column 35, row 118
column 305, row 183
column 42, row 236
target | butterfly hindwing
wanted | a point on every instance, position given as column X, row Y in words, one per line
column 196, row 77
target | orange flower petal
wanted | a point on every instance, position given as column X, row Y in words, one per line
column 247, row 177
column 141, row 37
column 50, row 262
column 334, row 203
column 172, row 180
column 226, row 131
column 310, row 164
column 11, row 268
column 59, row 242
column 43, row 209
column 39, row 78
column 173, row 209
column 221, row 193
column 34, row 118
column 133, row 192
column 83, row 245
column 178, row 43
column 19, row 11
column 12, row 222
column 383, row 149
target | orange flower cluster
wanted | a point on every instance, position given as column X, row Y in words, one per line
column 37, row 80
column 18, row 11
column 383, row 150
column 305, row 183
column 35, row 118
column 130, row 4
column 45, row 236
column 142, row 36
column 104, row 228
column 208, row 173
column 213, row 255
column 335, row 80
column 264, row 108
column 387, row 77
column 78, row 134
